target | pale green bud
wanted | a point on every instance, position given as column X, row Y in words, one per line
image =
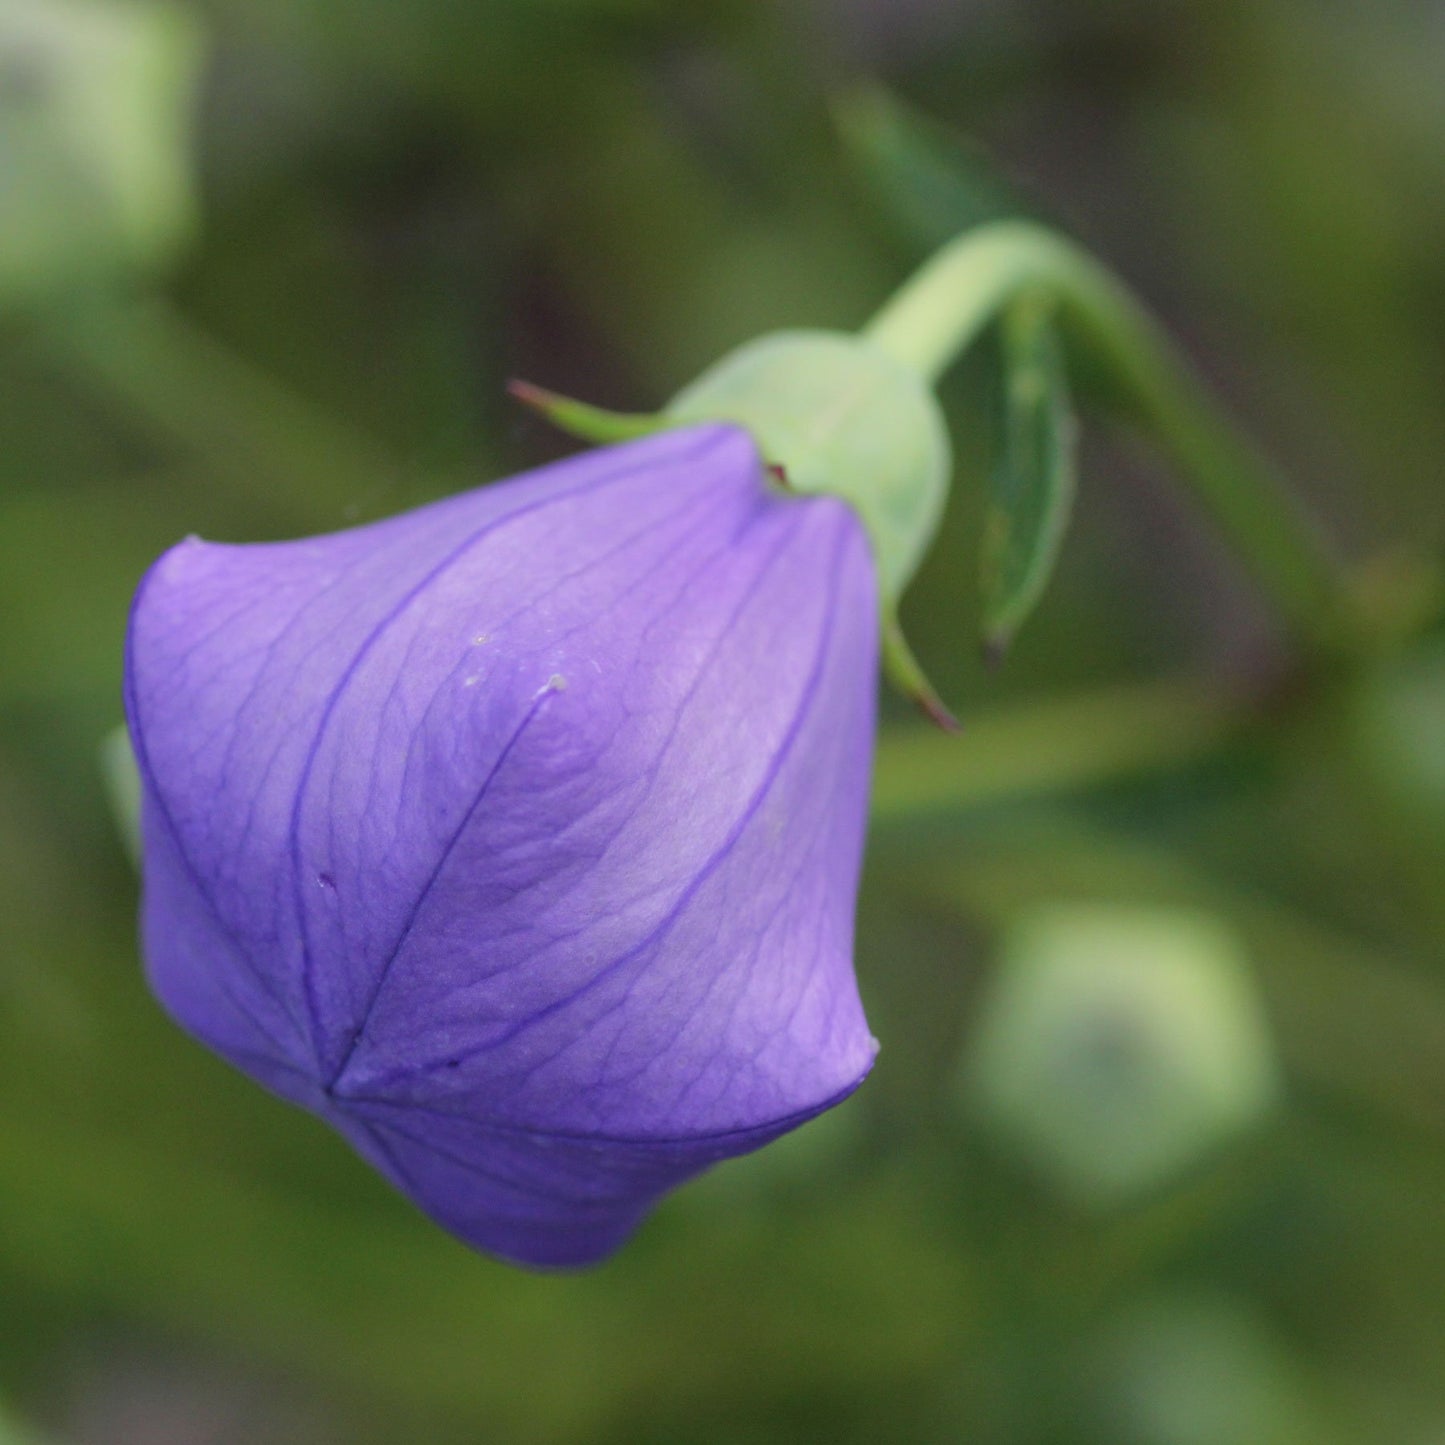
column 1119, row 1045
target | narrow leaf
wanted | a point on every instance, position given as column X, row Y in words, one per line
column 930, row 183
column 1033, row 491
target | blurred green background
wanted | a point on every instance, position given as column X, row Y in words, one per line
column 1154, row 1153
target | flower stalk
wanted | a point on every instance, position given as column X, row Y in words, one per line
column 951, row 301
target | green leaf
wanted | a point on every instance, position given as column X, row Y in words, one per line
column 931, row 183
column 1034, row 483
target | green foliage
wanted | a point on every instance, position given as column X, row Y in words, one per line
column 931, row 184
column 1033, row 492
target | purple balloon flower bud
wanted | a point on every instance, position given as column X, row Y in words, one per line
column 518, row 837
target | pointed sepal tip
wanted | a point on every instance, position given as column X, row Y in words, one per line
column 585, row 422
column 906, row 673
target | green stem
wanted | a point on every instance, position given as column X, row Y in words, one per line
column 948, row 304
column 236, row 421
column 1061, row 745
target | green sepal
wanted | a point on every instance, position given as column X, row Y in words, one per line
column 1035, row 480
column 906, row 673
column 121, row 779
column 588, row 423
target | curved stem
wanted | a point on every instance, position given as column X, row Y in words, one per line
column 1060, row 745
column 948, row 304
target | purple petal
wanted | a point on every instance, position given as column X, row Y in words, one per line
column 519, row 836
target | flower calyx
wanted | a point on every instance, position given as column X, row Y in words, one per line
column 831, row 414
